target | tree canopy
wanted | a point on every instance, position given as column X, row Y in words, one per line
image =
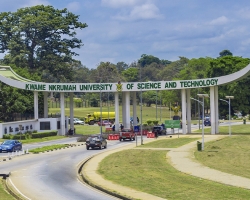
column 40, row 37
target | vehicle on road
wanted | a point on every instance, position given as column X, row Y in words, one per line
column 96, row 141
column 78, row 121
column 105, row 123
column 159, row 130
column 127, row 133
column 11, row 146
column 207, row 121
column 91, row 119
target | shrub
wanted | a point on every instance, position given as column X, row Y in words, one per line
column 149, row 122
column 155, row 122
column 19, row 137
column 44, row 134
column 7, row 136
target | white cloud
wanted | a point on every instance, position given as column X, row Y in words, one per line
column 145, row 11
column 120, row 3
column 244, row 13
column 74, row 6
column 30, row 3
column 219, row 21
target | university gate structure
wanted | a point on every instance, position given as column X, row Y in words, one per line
column 9, row 77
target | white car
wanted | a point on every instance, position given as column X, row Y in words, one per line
column 77, row 121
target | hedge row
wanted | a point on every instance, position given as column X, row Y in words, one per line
column 29, row 135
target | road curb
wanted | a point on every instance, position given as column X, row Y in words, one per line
column 85, row 179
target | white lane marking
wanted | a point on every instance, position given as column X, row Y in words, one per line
column 18, row 190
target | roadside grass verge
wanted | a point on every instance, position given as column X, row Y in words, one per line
column 49, row 148
column 149, row 171
column 242, row 129
column 168, row 143
column 4, row 195
column 229, row 154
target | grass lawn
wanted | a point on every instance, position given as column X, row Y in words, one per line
column 230, row 154
column 242, row 129
column 4, row 195
column 168, row 143
column 149, row 171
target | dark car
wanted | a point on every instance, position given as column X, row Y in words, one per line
column 94, row 141
column 207, row 121
column 11, row 146
column 159, row 130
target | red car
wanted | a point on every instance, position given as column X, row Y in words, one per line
column 105, row 123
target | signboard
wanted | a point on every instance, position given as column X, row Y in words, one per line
column 172, row 123
column 136, row 128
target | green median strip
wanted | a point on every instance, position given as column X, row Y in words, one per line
column 229, row 154
column 150, row 171
column 49, row 148
column 168, row 143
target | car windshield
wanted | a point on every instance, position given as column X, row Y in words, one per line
column 93, row 138
column 7, row 142
column 157, row 128
column 76, row 119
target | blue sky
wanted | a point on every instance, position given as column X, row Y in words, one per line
column 123, row 30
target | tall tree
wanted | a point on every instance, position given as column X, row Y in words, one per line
column 225, row 53
column 40, row 37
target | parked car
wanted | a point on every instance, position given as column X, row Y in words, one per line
column 159, row 130
column 77, row 121
column 207, row 121
column 105, row 123
column 11, row 146
column 96, row 140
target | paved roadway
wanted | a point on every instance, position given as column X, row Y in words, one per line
column 53, row 175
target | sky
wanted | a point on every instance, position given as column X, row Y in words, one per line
column 123, row 30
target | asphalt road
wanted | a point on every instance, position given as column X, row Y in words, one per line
column 53, row 175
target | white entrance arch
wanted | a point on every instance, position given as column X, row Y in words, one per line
column 9, row 77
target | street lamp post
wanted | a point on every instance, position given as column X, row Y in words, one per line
column 202, row 103
column 141, row 110
column 229, row 111
column 156, row 104
column 203, row 96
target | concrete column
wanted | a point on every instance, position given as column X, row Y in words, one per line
column 123, row 109
column 212, row 110
column 216, row 107
column 134, row 109
column 183, row 111
column 62, row 131
column 117, row 125
column 35, row 104
column 45, row 102
column 127, row 110
column 188, row 111
column 71, row 108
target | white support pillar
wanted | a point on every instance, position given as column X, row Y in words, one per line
column 62, row 131
column 188, row 111
column 216, row 108
column 45, row 102
column 183, row 111
column 134, row 109
column 71, row 107
column 117, row 120
column 212, row 110
column 35, row 104
column 127, row 110
column 123, row 109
